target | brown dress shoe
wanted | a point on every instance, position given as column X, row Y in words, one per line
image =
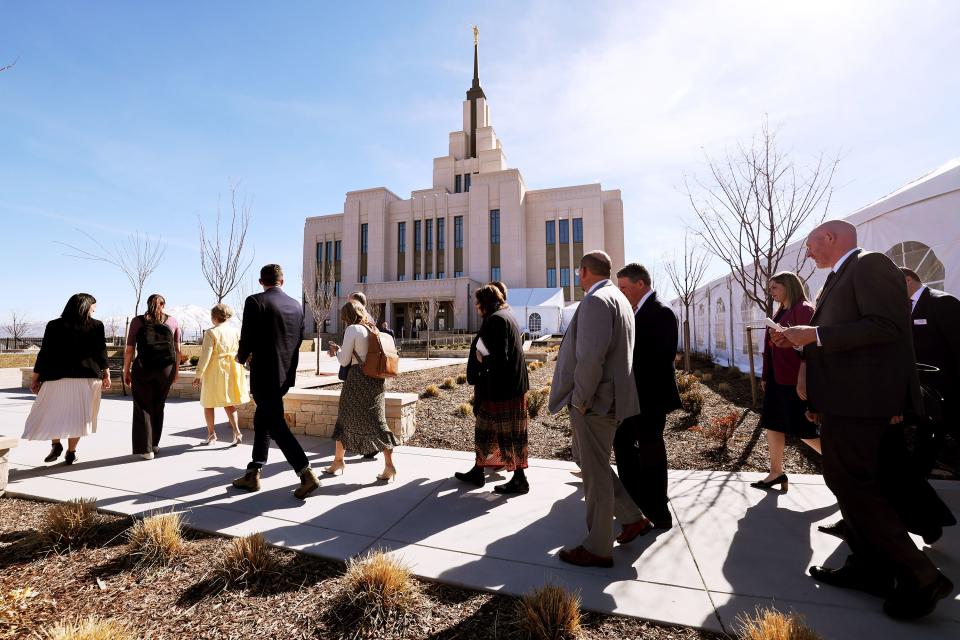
column 249, row 481
column 308, row 484
column 583, row 558
column 631, row 531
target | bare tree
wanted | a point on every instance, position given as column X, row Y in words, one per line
column 9, row 66
column 18, row 327
column 320, row 297
column 428, row 314
column 222, row 255
column 137, row 256
column 685, row 277
column 753, row 206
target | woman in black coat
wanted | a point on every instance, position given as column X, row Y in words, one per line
column 498, row 373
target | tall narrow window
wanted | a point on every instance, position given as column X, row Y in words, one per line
column 578, row 230
column 401, row 237
column 495, row 226
column 495, row 274
column 458, row 232
column 551, row 232
column 319, row 253
column 429, row 235
column 466, row 182
column 456, row 183
column 564, row 277
column 338, row 253
column 551, row 278
column 363, row 237
column 416, row 235
column 441, row 235
column 329, row 251
column 564, row 232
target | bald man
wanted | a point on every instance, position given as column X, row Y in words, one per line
column 860, row 377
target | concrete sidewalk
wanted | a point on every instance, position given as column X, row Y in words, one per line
column 735, row 547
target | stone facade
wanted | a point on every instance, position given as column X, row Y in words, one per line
column 478, row 222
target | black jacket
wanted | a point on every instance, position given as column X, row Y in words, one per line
column 654, row 352
column 71, row 352
column 936, row 338
column 271, row 333
column 865, row 367
column 503, row 374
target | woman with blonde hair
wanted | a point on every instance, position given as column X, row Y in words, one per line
column 783, row 410
column 361, row 418
column 221, row 379
column 68, row 377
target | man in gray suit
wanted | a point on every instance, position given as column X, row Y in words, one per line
column 594, row 380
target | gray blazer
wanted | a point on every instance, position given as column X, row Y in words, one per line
column 595, row 364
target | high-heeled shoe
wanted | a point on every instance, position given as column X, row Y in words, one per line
column 389, row 475
column 237, row 439
column 211, row 438
column 780, row 480
column 335, row 469
column 55, row 450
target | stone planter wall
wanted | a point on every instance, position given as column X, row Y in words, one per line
column 182, row 388
column 6, row 443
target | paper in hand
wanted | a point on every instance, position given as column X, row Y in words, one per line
column 482, row 348
column 773, row 325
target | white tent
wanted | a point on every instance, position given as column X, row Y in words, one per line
column 917, row 226
column 568, row 312
column 537, row 311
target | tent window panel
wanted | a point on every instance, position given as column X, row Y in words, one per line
column 720, row 336
column 534, row 323
column 917, row 256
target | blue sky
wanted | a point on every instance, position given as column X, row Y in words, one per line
column 123, row 116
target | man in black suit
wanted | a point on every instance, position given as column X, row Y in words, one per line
column 860, row 377
column 270, row 338
column 638, row 444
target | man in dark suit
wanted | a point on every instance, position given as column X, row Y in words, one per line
column 860, row 377
column 270, row 338
column 638, row 445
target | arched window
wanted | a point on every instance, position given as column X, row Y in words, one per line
column 700, row 325
column 534, row 323
column 751, row 316
column 720, row 333
column 918, row 257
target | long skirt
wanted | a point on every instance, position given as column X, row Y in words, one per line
column 65, row 408
column 361, row 419
column 500, row 433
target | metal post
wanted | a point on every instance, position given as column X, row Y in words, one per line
column 753, row 375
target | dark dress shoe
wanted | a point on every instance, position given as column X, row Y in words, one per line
column 249, row 481
column 838, row 528
column 910, row 604
column 629, row 532
column 847, row 577
column 70, row 458
column 474, row 477
column 55, row 452
column 512, row 486
column 930, row 536
column 583, row 558
column 780, row 480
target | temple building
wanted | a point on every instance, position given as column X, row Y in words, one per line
column 422, row 257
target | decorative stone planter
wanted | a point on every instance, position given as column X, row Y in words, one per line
column 6, row 444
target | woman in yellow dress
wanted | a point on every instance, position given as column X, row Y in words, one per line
column 222, row 380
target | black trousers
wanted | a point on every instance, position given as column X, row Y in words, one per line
column 149, row 389
column 269, row 423
column 642, row 463
column 905, row 483
column 853, row 470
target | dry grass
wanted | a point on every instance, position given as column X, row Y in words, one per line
column 69, row 524
column 464, row 410
column 432, row 391
column 379, row 598
column 462, row 378
column 548, row 613
column 723, row 387
column 447, row 384
column 89, row 629
column 685, row 381
column 246, row 561
column 13, row 609
column 692, row 401
column 536, row 401
column 156, row 541
column 707, row 377
column 770, row 624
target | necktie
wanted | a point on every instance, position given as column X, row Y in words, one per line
column 825, row 285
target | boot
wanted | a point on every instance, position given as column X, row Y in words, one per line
column 55, row 450
column 474, row 476
column 308, row 483
column 250, row 480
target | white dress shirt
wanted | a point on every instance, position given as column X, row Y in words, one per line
column 597, row 285
column 916, row 297
column 637, row 308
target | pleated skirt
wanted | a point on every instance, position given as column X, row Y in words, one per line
column 65, row 408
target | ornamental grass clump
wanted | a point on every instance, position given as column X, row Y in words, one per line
column 432, row 391
column 70, row 524
column 548, row 613
column 536, row 401
column 685, row 381
column 447, row 384
column 89, row 629
column 156, row 541
column 770, row 624
column 247, row 561
column 464, row 410
column 379, row 598
column 462, row 378
column 692, row 402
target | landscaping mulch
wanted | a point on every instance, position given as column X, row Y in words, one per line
column 185, row 601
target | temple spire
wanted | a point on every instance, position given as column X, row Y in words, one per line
column 475, row 92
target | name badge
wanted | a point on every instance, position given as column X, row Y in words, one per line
column 919, row 321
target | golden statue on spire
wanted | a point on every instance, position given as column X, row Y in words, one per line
column 476, row 35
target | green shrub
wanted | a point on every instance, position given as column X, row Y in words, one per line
column 194, row 360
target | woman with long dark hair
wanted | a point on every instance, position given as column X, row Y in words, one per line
column 151, row 362
column 498, row 373
column 783, row 410
column 68, row 377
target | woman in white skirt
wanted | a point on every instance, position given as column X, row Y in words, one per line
column 70, row 371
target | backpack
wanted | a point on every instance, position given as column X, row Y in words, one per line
column 155, row 348
column 382, row 361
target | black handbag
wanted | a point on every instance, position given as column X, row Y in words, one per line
column 342, row 374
